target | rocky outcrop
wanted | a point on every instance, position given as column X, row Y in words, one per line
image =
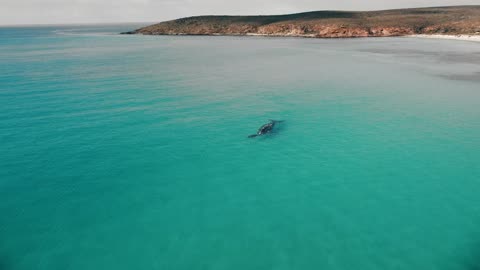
column 330, row 24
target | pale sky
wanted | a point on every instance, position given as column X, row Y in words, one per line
column 103, row 11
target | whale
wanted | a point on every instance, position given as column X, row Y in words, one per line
column 266, row 128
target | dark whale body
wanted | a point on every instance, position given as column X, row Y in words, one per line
column 267, row 128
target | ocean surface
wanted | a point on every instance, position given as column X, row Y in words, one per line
column 131, row 152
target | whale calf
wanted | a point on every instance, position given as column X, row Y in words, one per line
column 267, row 128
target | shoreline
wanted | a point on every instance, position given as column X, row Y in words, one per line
column 474, row 38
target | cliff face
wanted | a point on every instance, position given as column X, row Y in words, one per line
column 330, row 24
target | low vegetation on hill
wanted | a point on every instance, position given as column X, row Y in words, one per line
column 454, row 20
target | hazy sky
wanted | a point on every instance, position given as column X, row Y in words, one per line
column 94, row 11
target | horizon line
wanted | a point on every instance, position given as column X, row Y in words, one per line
column 141, row 22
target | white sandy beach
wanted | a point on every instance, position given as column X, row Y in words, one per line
column 454, row 37
column 475, row 38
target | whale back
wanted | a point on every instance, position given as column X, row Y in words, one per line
column 266, row 128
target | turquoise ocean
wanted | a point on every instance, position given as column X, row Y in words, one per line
column 131, row 152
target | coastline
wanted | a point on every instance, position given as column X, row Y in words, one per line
column 458, row 22
column 474, row 38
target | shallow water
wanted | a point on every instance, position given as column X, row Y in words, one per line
column 131, row 152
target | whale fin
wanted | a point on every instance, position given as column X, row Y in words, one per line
column 276, row 121
column 252, row 136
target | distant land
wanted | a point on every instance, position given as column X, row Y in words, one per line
column 452, row 20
